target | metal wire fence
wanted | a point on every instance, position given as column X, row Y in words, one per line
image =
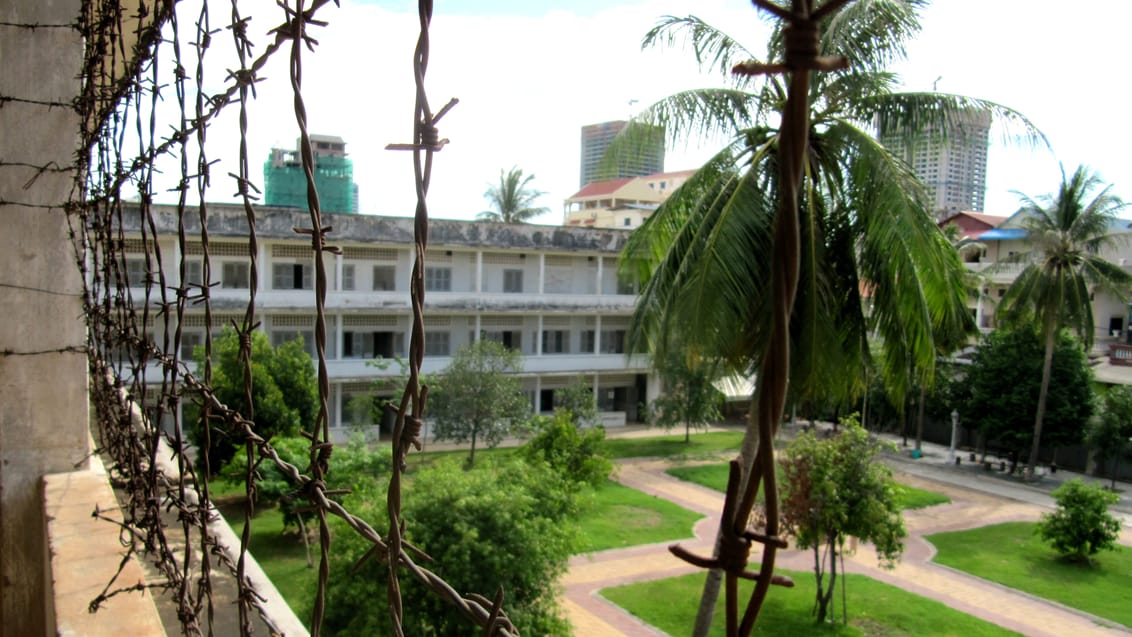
column 147, row 107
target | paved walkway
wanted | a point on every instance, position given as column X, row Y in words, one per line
column 977, row 499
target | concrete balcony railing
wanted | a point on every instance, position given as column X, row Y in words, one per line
column 1120, row 354
column 997, row 272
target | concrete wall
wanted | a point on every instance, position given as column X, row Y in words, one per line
column 43, row 388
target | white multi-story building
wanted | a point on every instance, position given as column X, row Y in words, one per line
column 952, row 163
column 551, row 292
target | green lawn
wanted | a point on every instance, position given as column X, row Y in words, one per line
column 875, row 609
column 714, row 476
column 908, row 498
column 674, row 446
column 619, row 516
column 282, row 558
column 1011, row 554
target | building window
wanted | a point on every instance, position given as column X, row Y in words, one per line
column 511, row 339
column 384, row 278
column 438, row 279
column 613, row 342
column 370, row 344
column 135, row 272
column 438, row 344
column 281, row 337
column 189, row 342
column 348, row 277
column 628, row 222
column 625, row 286
column 556, row 342
column 194, row 273
column 513, row 281
column 587, row 344
column 291, row 276
column 234, row 275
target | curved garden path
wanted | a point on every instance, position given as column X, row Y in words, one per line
column 594, row 616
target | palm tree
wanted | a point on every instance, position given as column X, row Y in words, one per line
column 872, row 259
column 1064, row 269
column 512, row 199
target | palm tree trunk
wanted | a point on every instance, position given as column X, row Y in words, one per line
column 706, row 612
column 1043, row 393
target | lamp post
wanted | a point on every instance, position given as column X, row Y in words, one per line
column 954, row 435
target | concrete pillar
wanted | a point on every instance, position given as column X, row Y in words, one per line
column 43, row 378
column 479, row 270
column 542, row 273
column 600, row 267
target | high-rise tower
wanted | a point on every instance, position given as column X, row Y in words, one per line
column 953, row 165
column 286, row 186
column 647, row 159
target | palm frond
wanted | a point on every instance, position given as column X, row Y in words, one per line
column 714, row 50
column 911, row 114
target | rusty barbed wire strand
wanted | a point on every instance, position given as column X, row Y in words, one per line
column 124, row 343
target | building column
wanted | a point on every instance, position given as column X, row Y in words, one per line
column 44, row 418
column 339, row 336
column 262, row 267
column 597, row 335
column 338, row 273
column 979, row 312
column 538, row 394
column 600, row 271
column 479, row 271
column 542, row 273
column 538, row 337
column 479, row 327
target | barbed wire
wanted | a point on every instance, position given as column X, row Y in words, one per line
column 134, row 56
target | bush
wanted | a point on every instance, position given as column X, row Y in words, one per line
column 504, row 524
column 577, row 455
column 351, row 465
column 1081, row 526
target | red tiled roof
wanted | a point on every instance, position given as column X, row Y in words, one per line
column 991, row 220
column 598, row 188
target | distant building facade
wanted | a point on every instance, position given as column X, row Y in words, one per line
column 951, row 163
column 646, row 160
column 285, row 184
column 553, row 294
column 621, row 203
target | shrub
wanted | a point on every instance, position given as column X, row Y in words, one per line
column 505, row 524
column 1081, row 526
column 577, row 455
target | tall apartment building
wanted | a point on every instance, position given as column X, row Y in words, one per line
column 646, row 160
column 285, row 183
column 555, row 296
column 953, row 165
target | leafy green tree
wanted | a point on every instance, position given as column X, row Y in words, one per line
column 1004, row 381
column 500, row 525
column 579, row 455
column 835, row 488
column 578, row 400
column 284, row 394
column 1111, row 433
column 1063, row 270
column 689, row 397
column 513, row 199
column 1081, row 526
column 479, row 397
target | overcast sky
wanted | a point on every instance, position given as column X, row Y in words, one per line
column 530, row 73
